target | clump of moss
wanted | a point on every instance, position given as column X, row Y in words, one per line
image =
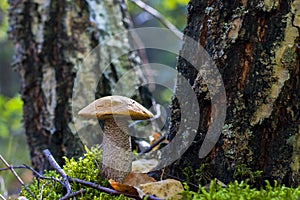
column 241, row 190
column 200, row 175
column 85, row 168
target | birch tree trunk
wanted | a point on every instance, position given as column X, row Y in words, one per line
column 51, row 40
column 255, row 45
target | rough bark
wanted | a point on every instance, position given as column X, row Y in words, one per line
column 44, row 42
column 255, row 45
column 52, row 39
column 111, row 68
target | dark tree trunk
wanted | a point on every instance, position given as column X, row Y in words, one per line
column 42, row 55
column 255, row 45
column 51, row 39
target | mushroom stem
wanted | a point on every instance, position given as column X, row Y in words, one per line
column 116, row 159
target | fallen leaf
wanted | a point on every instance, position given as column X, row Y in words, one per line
column 154, row 137
column 165, row 189
column 144, row 165
column 135, row 179
column 128, row 189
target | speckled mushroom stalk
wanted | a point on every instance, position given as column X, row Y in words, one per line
column 116, row 111
column 116, row 157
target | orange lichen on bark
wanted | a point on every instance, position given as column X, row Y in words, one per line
column 245, row 64
column 261, row 29
column 243, row 2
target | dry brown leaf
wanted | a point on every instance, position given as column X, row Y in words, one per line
column 164, row 189
column 154, row 137
column 135, row 179
column 123, row 187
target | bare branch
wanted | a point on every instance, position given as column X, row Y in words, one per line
column 157, row 142
column 108, row 190
column 38, row 175
column 59, row 170
column 11, row 168
column 14, row 167
column 74, row 194
column 158, row 16
column 67, row 180
column 2, row 197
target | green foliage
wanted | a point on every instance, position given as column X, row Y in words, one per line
column 200, row 175
column 187, row 173
column 44, row 188
column 173, row 4
column 243, row 172
column 3, row 19
column 172, row 10
column 242, row 190
column 86, row 168
column 10, row 115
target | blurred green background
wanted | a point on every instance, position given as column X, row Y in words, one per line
column 13, row 145
column 12, row 140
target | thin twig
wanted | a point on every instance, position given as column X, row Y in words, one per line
column 41, row 192
column 74, row 194
column 37, row 174
column 11, row 168
column 157, row 142
column 158, row 16
column 108, row 190
column 2, row 197
column 59, row 170
column 15, row 167
column 55, row 165
column 41, row 176
column 98, row 187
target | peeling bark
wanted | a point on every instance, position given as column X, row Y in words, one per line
column 44, row 39
column 52, row 39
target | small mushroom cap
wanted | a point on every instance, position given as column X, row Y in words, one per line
column 115, row 106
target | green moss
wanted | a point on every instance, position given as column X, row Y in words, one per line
column 44, row 188
column 243, row 172
column 200, row 175
column 241, row 190
column 86, row 168
column 187, row 173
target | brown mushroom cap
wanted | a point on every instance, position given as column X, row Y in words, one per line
column 115, row 106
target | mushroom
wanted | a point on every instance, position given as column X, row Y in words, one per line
column 116, row 111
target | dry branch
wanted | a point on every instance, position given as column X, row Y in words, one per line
column 11, row 168
column 66, row 180
column 158, row 16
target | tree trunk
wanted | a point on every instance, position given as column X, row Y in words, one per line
column 52, row 39
column 255, row 46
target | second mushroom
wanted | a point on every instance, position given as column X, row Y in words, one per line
column 116, row 111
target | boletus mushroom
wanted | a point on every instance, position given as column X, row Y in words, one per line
column 116, row 111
